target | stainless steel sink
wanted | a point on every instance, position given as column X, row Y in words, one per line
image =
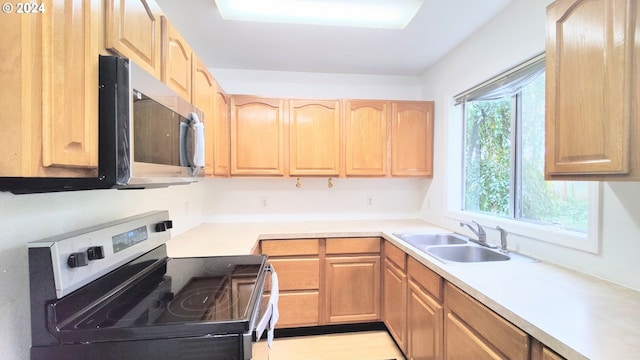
column 420, row 240
column 466, row 254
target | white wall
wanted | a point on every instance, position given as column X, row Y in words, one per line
column 25, row 218
column 231, row 200
column 516, row 34
column 317, row 85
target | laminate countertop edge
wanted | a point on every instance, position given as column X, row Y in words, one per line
column 574, row 314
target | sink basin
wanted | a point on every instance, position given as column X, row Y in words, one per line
column 420, row 240
column 466, row 254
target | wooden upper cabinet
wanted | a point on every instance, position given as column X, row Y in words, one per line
column 133, row 31
column 366, row 137
column 412, row 138
column 203, row 96
column 257, row 136
column 176, row 60
column 69, row 78
column 221, row 123
column 314, row 137
column 592, row 87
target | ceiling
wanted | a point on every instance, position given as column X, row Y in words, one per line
column 436, row 29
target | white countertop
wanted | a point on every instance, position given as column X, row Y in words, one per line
column 578, row 316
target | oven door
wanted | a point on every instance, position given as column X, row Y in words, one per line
column 265, row 316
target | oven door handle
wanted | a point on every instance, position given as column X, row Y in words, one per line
column 271, row 314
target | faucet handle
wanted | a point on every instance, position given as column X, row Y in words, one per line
column 480, row 228
column 503, row 239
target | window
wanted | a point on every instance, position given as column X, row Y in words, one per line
column 503, row 154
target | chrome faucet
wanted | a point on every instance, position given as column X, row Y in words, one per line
column 503, row 239
column 480, row 233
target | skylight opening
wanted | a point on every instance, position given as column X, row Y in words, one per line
column 385, row 14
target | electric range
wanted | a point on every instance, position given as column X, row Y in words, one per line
column 111, row 292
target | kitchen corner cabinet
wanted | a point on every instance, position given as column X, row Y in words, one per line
column 257, row 136
column 366, row 149
column 593, row 90
column 394, row 296
column 221, row 145
column 475, row 332
column 48, row 59
column 176, row 60
column 412, row 138
column 352, row 280
column 412, row 301
column 133, row 30
column 203, row 96
column 314, row 137
column 297, row 264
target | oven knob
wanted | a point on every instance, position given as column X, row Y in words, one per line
column 164, row 226
column 95, row 252
column 77, row 259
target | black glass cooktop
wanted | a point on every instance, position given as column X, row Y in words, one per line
column 204, row 295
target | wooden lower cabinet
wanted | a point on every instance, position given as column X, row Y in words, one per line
column 298, row 308
column 297, row 264
column 326, row 281
column 425, row 313
column 395, row 303
column 394, row 297
column 541, row 352
column 352, row 286
column 475, row 332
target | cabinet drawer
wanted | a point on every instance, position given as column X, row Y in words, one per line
column 290, row 247
column 298, row 309
column 296, row 274
column 507, row 338
column 353, row 245
column 396, row 255
column 426, row 278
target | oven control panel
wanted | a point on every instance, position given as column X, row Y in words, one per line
column 82, row 256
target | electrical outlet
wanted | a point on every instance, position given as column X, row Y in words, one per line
column 369, row 200
column 263, row 201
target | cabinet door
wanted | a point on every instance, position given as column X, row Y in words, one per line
column 395, row 303
column 366, row 137
column 221, row 134
column 300, row 308
column 589, row 86
column 475, row 332
column 412, row 138
column 203, row 97
column 314, row 137
column 425, row 325
column 352, row 286
column 176, row 60
column 257, row 136
column 69, row 78
column 133, row 31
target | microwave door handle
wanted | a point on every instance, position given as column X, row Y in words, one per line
column 184, row 144
column 199, row 139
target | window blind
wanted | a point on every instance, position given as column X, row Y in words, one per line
column 505, row 84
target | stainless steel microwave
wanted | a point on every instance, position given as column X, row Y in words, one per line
column 148, row 136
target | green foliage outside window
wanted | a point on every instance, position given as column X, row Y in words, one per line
column 489, row 172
